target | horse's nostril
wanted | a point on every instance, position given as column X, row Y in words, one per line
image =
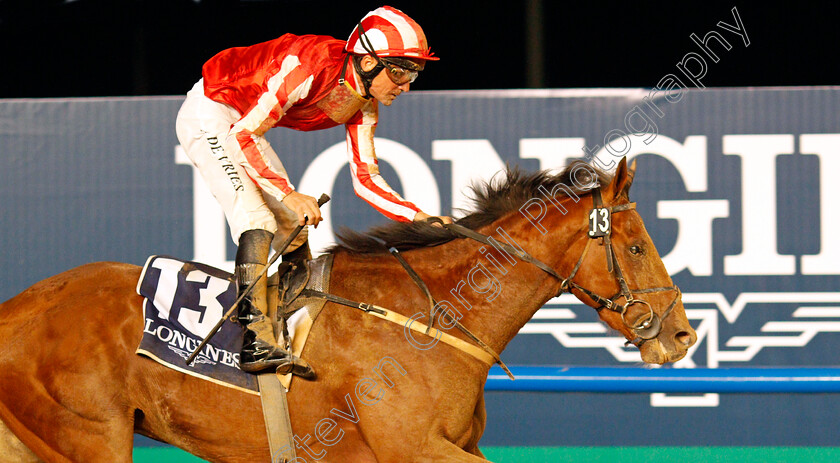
column 684, row 338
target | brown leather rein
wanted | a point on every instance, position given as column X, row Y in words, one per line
column 646, row 328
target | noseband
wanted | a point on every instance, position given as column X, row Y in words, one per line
column 600, row 227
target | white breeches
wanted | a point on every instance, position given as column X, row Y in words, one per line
column 202, row 127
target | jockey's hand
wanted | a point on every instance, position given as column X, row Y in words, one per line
column 306, row 208
column 422, row 216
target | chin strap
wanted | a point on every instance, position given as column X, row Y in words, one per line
column 366, row 77
column 342, row 81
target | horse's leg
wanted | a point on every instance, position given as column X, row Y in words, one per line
column 64, row 364
column 63, row 420
column 479, row 422
column 12, row 449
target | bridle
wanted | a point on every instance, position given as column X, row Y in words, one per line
column 600, row 227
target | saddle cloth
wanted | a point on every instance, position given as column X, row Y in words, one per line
column 184, row 301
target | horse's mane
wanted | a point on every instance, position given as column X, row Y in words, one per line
column 492, row 199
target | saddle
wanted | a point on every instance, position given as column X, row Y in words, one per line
column 295, row 311
column 293, row 279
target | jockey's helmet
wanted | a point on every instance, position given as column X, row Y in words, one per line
column 387, row 32
column 395, row 40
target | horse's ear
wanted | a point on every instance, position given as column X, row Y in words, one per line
column 622, row 179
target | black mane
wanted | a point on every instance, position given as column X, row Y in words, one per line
column 492, row 199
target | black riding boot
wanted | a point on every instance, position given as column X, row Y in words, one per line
column 260, row 350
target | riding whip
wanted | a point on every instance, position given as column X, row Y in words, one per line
column 321, row 201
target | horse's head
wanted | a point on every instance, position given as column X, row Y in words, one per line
column 621, row 274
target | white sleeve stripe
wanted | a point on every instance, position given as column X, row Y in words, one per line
column 300, row 92
column 370, row 195
column 263, row 183
column 381, row 202
column 268, row 100
column 364, row 134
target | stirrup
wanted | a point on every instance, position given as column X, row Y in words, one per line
column 297, row 367
column 259, row 357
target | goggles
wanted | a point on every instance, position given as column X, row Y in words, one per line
column 397, row 74
column 396, row 67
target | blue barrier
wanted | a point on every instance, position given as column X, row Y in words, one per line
column 629, row 379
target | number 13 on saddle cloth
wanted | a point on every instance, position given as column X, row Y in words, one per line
column 184, row 300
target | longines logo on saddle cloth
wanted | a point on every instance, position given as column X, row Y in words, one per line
column 184, row 300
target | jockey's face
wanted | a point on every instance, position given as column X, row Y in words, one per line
column 382, row 87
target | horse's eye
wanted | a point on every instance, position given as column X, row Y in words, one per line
column 636, row 250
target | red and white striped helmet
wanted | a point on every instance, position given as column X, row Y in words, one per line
column 390, row 32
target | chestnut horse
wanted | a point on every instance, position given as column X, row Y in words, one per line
column 72, row 388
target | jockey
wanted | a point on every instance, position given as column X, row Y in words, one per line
column 307, row 82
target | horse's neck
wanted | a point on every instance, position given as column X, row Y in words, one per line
column 497, row 294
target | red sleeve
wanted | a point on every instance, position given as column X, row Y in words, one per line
column 367, row 182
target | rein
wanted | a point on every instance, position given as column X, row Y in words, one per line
column 484, row 354
column 432, row 304
column 600, row 227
